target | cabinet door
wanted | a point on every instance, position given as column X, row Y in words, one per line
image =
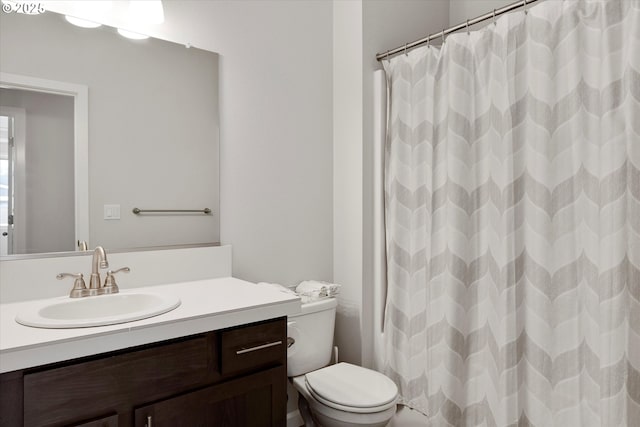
column 257, row 400
column 113, row 384
column 111, row 421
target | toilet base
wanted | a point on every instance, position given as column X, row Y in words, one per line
column 324, row 421
column 320, row 420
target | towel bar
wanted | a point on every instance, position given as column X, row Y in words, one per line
column 205, row 211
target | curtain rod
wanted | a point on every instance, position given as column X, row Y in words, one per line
column 443, row 33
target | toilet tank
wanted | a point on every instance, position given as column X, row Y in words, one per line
column 312, row 331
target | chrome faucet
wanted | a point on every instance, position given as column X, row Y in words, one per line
column 99, row 261
column 95, row 287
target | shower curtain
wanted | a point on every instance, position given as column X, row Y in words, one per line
column 512, row 209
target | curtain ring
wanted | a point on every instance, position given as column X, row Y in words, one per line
column 442, row 36
column 468, row 33
column 494, row 17
column 524, row 3
column 429, row 42
column 405, row 49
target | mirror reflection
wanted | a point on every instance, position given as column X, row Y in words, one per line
column 152, row 126
column 47, row 121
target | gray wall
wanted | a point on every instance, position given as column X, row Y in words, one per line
column 461, row 10
column 48, row 221
column 276, row 130
column 153, row 124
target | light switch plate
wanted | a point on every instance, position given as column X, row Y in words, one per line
column 111, row 212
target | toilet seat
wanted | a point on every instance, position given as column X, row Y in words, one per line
column 342, row 417
column 352, row 388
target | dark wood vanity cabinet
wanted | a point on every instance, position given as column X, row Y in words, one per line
column 247, row 401
column 230, row 377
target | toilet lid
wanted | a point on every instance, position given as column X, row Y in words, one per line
column 351, row 386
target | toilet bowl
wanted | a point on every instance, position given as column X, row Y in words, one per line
column 339, row 395
column 345, row 395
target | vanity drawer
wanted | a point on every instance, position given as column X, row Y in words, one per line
column 80, row 390
column 254, row 346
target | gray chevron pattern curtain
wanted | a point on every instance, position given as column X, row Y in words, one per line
column 512, row 192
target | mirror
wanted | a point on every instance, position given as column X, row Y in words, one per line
column 51, row 152
column 152, row 138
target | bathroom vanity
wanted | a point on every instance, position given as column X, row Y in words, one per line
column 217, row 359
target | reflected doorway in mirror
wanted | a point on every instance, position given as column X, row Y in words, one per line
column 49, row 125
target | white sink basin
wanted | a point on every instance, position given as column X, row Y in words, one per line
column 97, row 311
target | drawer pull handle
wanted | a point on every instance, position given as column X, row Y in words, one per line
column 258, row 347
column 149, row 421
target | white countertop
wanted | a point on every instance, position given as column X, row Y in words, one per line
column 206, row 305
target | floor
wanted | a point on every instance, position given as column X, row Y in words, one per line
column 406, row 417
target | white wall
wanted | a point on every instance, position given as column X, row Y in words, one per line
column 461, row 10
column 276, row 98
column 347, row 174
column 276, row 122
column 275, row 128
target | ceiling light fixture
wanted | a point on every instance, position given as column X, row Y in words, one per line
column 146, row 11
column 81, row 22
column 132, row 35
column 87, row 14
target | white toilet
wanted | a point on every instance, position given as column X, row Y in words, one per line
column 340, row 395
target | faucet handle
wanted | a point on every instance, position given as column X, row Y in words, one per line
column 110, row 286
column 79, row 288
